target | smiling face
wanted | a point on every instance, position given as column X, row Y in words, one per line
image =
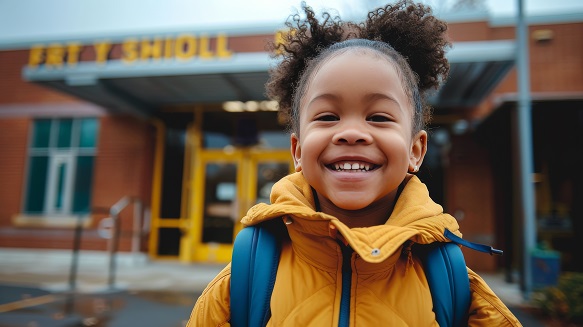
column 355, row 143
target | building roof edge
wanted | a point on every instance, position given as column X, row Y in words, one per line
column 118, row 36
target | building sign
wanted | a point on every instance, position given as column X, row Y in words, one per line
column 183, row 47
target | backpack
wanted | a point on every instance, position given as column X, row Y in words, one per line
column 252, row 280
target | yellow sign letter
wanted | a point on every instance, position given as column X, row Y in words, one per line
column 205, row 51
column 185, row 47
column 102, row 52
column 55, row 55
column 151, row 49
column 222, row 46
column 168, row 48
column 36, row 56
column 129, row 51
column 73, row 52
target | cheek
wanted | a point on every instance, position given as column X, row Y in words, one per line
column 315, row 140
column 397, row 148
column 309, row 148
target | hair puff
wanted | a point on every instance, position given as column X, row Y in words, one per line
column 409, row 28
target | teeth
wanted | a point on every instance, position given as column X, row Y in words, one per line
column 352, row 166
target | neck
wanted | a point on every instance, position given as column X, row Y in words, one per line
column 374, row 214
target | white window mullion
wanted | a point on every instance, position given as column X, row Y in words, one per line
column 69, row 183
column 52, row 184
column 69, row 187
column 60, row 183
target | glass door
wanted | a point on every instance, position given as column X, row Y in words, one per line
column 233, row 181
column 214, row 206
column 268, row 168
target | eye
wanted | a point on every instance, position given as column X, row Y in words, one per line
column 327, row 117
column 378, row 118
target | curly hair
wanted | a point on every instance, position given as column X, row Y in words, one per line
column 406, row 33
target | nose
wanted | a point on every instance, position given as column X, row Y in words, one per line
column 352, row 135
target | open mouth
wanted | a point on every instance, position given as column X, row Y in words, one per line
column 352, row 166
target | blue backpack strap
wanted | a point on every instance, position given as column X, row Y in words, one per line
column 447, row 276
column 254, row 265
column 474, row 246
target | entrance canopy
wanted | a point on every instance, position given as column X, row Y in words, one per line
column 141, row 88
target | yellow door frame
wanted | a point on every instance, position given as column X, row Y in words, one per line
column 192, row 249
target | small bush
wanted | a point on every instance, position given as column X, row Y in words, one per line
column 562, row 302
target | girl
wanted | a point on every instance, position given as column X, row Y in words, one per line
column 353, row 209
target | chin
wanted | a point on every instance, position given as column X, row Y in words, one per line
column 351, row 205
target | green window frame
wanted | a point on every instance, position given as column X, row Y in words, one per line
column 61, row 158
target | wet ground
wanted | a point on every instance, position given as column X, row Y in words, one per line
column 22, row 306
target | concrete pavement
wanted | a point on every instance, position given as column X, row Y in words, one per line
column 50, row 270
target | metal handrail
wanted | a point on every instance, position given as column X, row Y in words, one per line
column 113, row 244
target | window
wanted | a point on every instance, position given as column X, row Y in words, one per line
column 60, row 166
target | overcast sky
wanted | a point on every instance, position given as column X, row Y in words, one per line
column 32, row 20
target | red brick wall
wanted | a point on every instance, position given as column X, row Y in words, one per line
column 13, row 87
column 555, row 65
column 123, row 164
column 250, row 44
column 470, row 191
column 120, row 163
column 474, row 31
column 13, row 147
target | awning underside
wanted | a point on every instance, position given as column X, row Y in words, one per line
column 144, row 95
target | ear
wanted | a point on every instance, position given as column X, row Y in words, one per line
column 296, row 152
column 418, row 150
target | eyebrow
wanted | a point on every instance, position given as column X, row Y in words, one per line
column 324, row 96
column 370, row 97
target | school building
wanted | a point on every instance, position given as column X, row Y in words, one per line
column 170, row 136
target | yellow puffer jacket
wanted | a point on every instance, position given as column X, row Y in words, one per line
column 388, row 285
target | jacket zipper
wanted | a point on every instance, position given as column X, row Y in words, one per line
column 344, row 319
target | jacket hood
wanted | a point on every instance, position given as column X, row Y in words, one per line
column 415, row 217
